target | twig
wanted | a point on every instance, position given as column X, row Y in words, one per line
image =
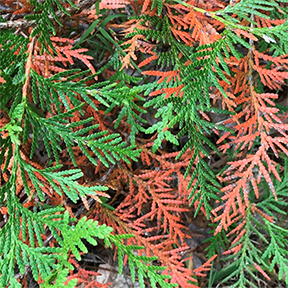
column 60, row 15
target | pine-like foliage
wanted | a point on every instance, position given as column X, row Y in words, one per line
column 114, row 115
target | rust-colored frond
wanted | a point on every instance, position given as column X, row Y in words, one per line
column 151, row 132
column 205, row 267
column 113, row 4
column 258, row 268
column 46, row 64
column 148, row 60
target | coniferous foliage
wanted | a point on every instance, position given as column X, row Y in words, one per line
column 114, row 116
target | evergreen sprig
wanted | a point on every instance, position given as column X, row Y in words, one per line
column 179, row 64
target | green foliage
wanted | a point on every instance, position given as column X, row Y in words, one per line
column 43, row 17
column 77, row 116
column 142, row 263
column 21, row 239
column 272, row 239
column 71, row 241
column 278, row 234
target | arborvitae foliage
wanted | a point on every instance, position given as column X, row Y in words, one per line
column 119, row 117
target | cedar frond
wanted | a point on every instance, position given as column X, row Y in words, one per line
column 113, row 4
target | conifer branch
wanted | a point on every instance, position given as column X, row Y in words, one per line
column 134, row 157
column 62, row 16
